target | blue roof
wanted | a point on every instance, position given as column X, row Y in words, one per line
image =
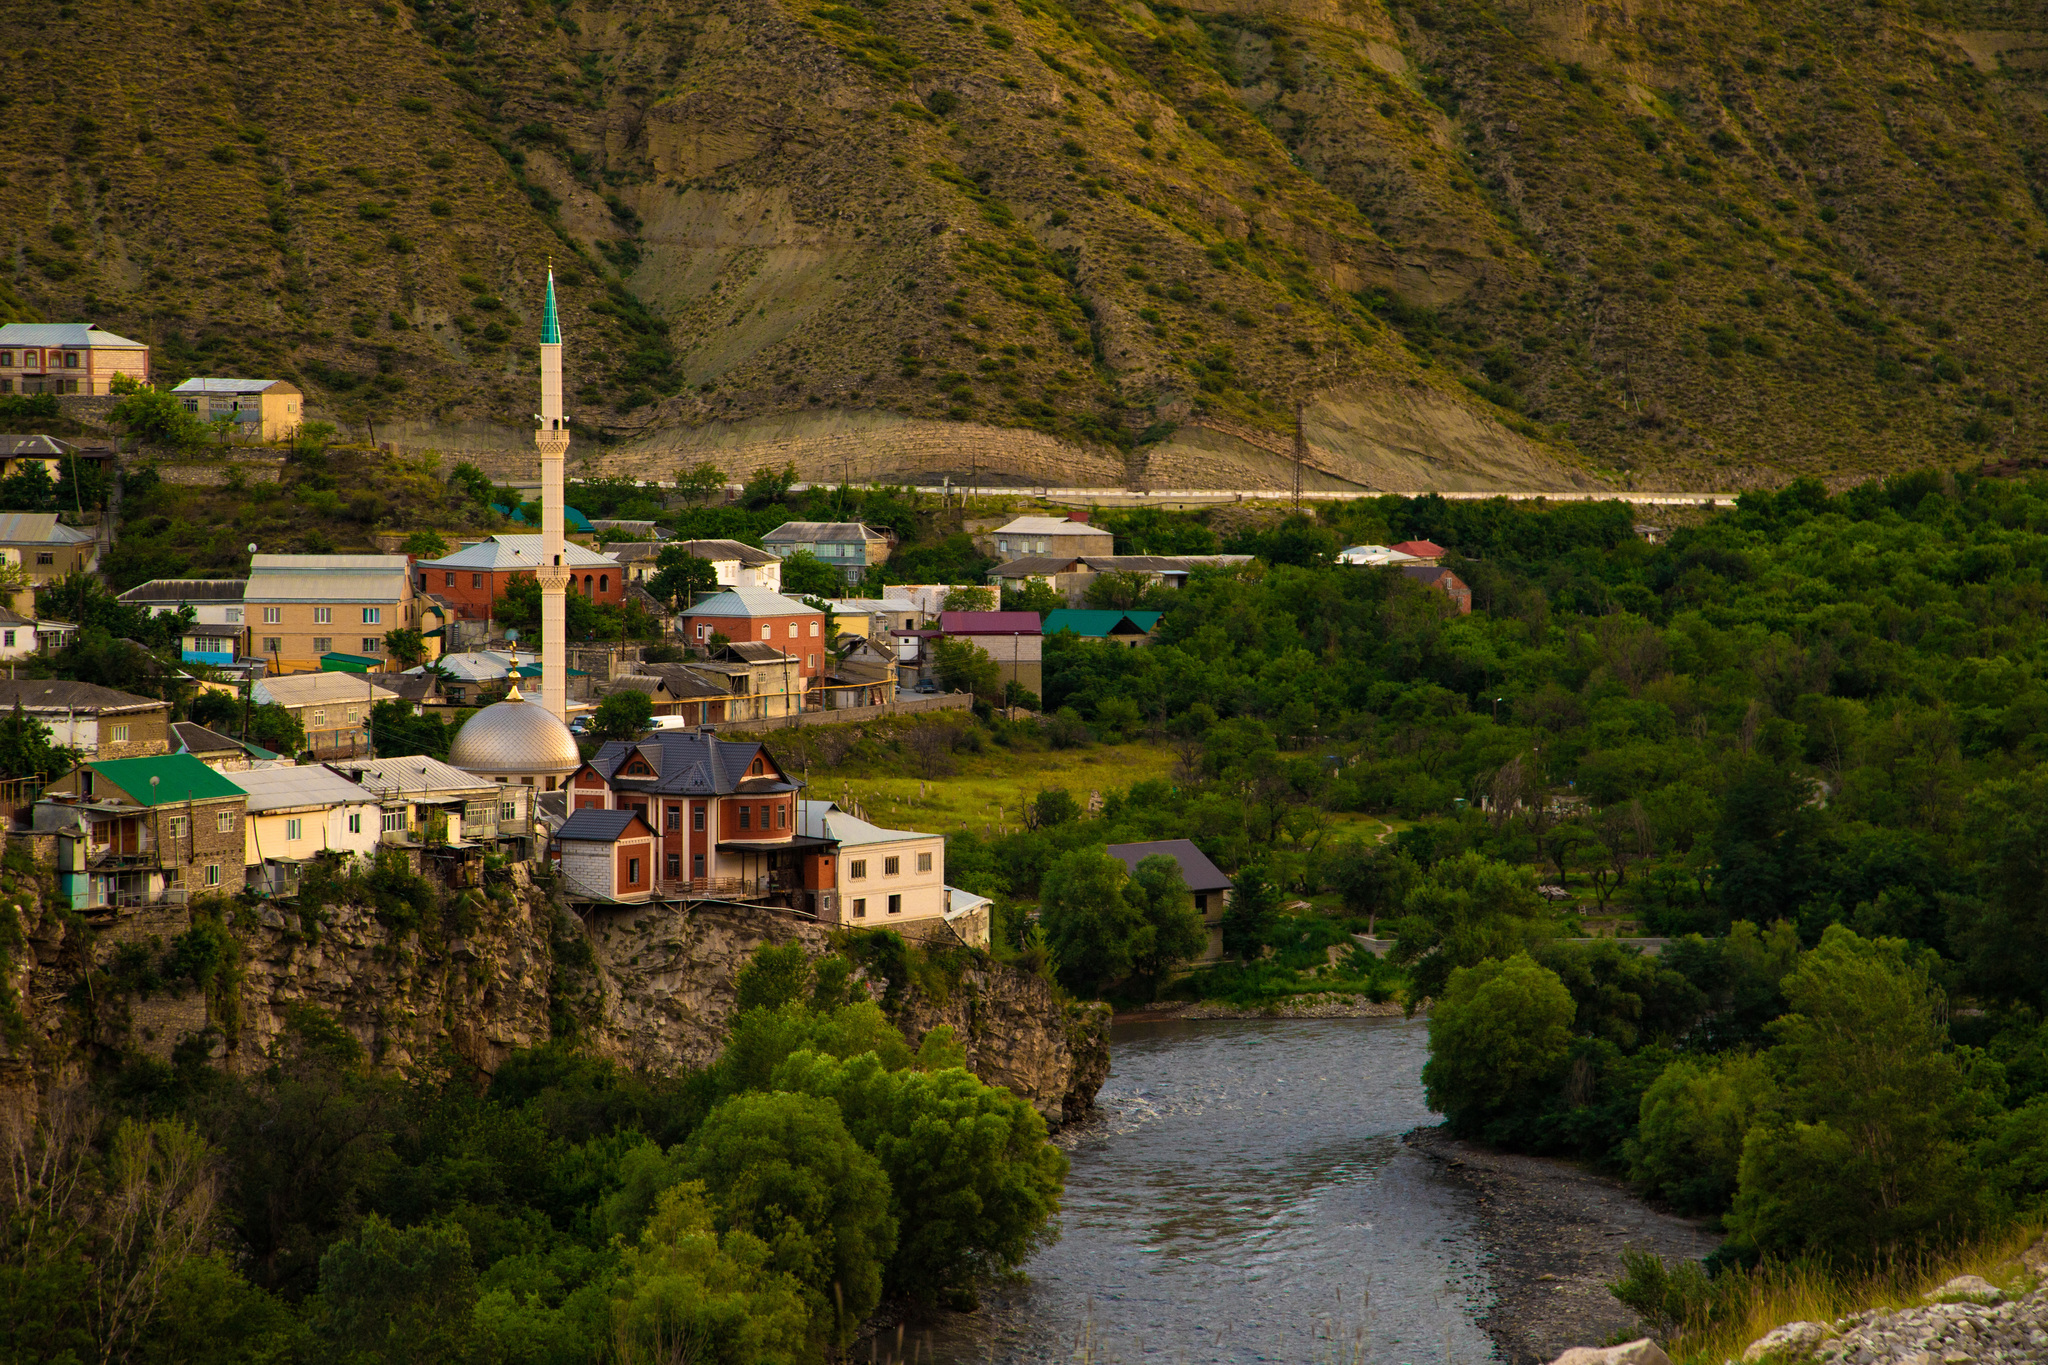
column 571, row 518
column 550, row 325
column 1096, row 625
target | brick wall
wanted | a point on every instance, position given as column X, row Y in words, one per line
column 148, row 734
column 203, row 844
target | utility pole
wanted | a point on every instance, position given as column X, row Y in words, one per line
column 1300, row 454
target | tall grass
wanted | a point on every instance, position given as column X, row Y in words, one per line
column 1745, row 1305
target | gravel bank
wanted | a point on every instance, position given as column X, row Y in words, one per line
column 1554, row 1233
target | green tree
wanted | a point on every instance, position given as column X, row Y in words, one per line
column 277, row 729
column 1248, row 919
column 783, row 1168
column 1464, row 910
column 1371, row 881
column 1097, row 934
column 625, row 714
column 685, row 1293
column 1036, row 595
column 398, row 1296
column 806, row 575
column 961, row 667
column 29, row 488
column 1175, row 933
column 397, row 732
column 158, row 417
column 424, row 545
column 1054, row 806
column 699, row 482
column 1116, row 591
column 1687, row 1149
column 406, row 645
column 1499, row 1034
column 472, row 483
column 969, row 599
column 767, row 486
column 679, row 576
column 1868, row 1152
column 25, row 748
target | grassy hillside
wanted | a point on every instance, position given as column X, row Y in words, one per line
column 1698, row 243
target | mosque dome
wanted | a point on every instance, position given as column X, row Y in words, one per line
column 515, row 738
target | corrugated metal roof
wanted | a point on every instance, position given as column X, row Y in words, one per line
column 824, row 820
column 1050, row 526
column 38, row 528
column 11, row 446
column 990, row 623
column 721, row 550
column 1097, row 624
column 234, row 386
column 746, row 601
column 328, row 585
column 63, row 334
column 309, row 785
column 506, row 552
column 181, row 590
column 314, row 689
column 57, row 694
column 1034, row 566
column 415, row 776
column 812, row 532
column 179, row 777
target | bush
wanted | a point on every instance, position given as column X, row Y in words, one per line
column 1497, row 1039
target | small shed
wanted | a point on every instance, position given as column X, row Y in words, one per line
column 606, row 855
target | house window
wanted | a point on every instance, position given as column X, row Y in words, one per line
column 292, row 829
column 9, row 640
column 7, row 358
column 351, row 715
column 675, row 817
column 746, row 814
column 675, row 866
column 814, row 630
column 448, row 580
column 234, row 616
column 273, row 616
column 213, row 874
column 814, row 660
column 1202, row 901
column 46, row 556
column 71, row 360
column 703, row 631
column 767, row 632
column 394, row 821
column 632, row 872
column 323, row 616
column 177, row 827
column 891, row 866
column 120, row 731
column 373, row 644
column 476, row 580
column 604, row 582
column 857, row 869
column 895, row 905
column 323, row 643
column 224, row 822
column 373, row 616
column 355, row 822
column 860, row 909
column 782, row 817
column 792, row 630
column 924, row 862
column 271, row 644
column 697, row 818
column 319, row 719
column 697, row 863
column 508, row 810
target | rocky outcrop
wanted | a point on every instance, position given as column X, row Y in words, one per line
column 492, row 973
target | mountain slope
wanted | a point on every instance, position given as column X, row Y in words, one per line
column 1680, row 244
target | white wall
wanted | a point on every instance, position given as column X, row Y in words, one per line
column 587, row 867
column 924, row 893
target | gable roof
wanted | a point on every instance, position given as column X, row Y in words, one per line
column 812, row 532
column 11, row 446
column 180, row 777
column 38, row 528
column 505, row 552
column 62, row 334
column 745, row 601
column 1195, row 868
column 417, row 775
column 990, row 623
column 1162, row 563
column 1094, row 625
column 719, row 550
column 825, row 820
column 681, row 683
column 591, row 825
column 194, row 738
column 182, row 590
column 688, row 762
column 328, row 578
column 314, row 689
column 1433, row 574
column 286, row 788
column 57, row 694
column 1421, row 549
column 1051, row 526
column 1035, row 566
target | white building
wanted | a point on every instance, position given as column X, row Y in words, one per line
column 1374, row 556
column 21, row 636
column 737, row 565
column 888, row 878
column 298, row 813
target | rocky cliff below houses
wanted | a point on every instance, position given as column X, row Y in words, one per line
column 424, row 973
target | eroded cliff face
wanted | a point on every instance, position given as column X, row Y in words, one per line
column 651, row 987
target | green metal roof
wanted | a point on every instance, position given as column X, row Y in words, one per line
column 180, row 777
column 1096, row 625
column 336, row 662
column 550, row 325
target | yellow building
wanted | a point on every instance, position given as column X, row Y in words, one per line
column 301, row 607
column 262, row 409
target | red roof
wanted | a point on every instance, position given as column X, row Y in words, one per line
column 990, row 623
column 1421, row 549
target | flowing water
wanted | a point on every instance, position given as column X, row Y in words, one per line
column 1244, row 1196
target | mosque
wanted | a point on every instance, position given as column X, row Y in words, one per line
column 516, row 741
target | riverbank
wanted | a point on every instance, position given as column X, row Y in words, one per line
column 1327, row 1005
column 1554, row 1233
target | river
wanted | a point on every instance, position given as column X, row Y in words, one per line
column 1244, row 1195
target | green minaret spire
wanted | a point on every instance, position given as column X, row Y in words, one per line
column 550, row 325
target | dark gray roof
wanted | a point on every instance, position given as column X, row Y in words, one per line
column 724, row 549
column 812, row 532
column 186, row 590
column 1195, row 868
column 1035, row 566
column 597, row 826
column 756, row 652
column 56, row 694
column 686, row 762
column 414, row 687
column 193, row 738
column 1431, row 574
column 1161, row 563
column 11, row 446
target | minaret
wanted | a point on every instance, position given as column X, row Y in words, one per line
column 553, row 440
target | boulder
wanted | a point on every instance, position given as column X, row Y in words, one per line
column 1792, row 1340
column 1642, row 1352
column 2035, row 1258
column 1975, row 1288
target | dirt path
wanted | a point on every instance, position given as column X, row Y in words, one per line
column 1555, row 1232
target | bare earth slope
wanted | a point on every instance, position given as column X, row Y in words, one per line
column 1674, row 242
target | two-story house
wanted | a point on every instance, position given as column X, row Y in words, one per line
column 67, row 357
column 261, row 409
column 1070, row 537
column 334, row 708
column 474, row 577
column 138, row 831
column 300, row 607
column 888, row 878
column 425, row 801
column 97, row 721
column 296, row 814
column 735, row 563
column 757, row 616
column 852, row 547
column 219, row 635
column 46, row 549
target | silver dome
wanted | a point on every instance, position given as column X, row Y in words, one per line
column 515, row 738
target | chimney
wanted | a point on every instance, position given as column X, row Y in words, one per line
column 1080, row 515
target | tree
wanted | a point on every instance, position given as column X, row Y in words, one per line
column 1465, row 909
column 1116, row 591
column 1095, row 932
column 398, row 1296
column 396, row 731
column 1036, row 595
column 424, row 545
column 783, row 1168
column 969, row 599
column 276, row 729
column 697, row 484
column 679, row 576
column 1254, row 902
column 1688, row 1145
column 767, row 486
column 1161, row 897
column 806, row 575
column 625, row 714
column 158, row 417
column 687, row 1294
column 472, row 483
column 962, row 667
column 29, row 488
column 407, row 645
column 1372, row 881
column 1052, row 806
column 25, row 748
column 1499, row 1032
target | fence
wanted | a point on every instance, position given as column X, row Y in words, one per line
column 847, row 715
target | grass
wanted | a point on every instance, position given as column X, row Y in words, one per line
column 1772, row 1296
column 988, row 791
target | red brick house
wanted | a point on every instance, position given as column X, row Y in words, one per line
column 723, row 814
column 755, row 615
column 606, row 855
column 1444, row 581
column 476, row 576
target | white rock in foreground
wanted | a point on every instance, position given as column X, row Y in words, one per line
column 1793, row 1339
column 1643, row 1352
column 1968, row 1287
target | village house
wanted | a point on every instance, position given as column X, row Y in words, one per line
column 1070, row 576
column 888, row 878
column 863, row 675
column 300, row 607
column 755, row 615
column 138, row 831
column 734, row 563
column 1014, row 639
column 474, row 577
column 424, row 801
column 606, row 855
column 222, row 753
column 57, row 457
column 1421, row 551
column 261, row 409
column 852, row 547
column 21, row 636
column 297, row 814
column 761, row 682
column 676, row 691
column 1211, row 888
column 1127, row 628
column 865, row 616
column 67, row 357
column 1069, row 536
column 334, row 708
column 99, row 722
column 1444, row 581
column 219, row 634
column 1374, row 556
column 46, row 549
